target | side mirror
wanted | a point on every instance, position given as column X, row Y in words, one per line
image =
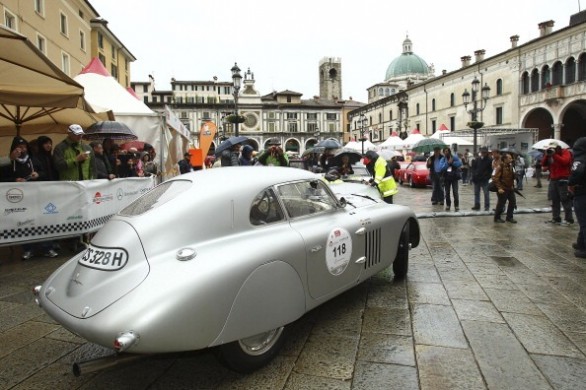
column 342, row 202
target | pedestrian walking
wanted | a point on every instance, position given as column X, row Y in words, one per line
column 577, row 187
column 504, row 179
column 437, row 185
column 481, row 173
column 558, row 162
column 519, row 171
column 450, row 166
column 537, row 170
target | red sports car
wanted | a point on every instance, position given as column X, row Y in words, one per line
column 416, row 174
column 398, row 173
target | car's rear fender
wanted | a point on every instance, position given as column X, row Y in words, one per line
column 272, row 296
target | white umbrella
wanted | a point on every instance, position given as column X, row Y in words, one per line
column 544, row 143
column 387, row 154
column 412, row 139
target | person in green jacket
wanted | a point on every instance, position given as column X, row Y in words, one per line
column 382, row 176
column 74, row 160
column 274, row 154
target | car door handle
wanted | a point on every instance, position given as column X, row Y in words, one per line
column 316, row 249
column 361, row 231
column 360, row 260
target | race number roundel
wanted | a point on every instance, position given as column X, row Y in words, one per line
column 339, row 251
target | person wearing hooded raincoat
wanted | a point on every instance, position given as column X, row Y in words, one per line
column 577, row 187
column 246, row 158
column 382, row 176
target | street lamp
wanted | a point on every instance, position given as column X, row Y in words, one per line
column 237, row 79
column 363, row 122
column 317, row 133
column 477, row 106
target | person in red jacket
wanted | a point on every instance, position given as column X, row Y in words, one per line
column 558, row 162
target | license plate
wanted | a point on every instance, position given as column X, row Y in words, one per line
column 105, row 259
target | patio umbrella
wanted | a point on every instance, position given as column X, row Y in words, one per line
column 35, row 95
column 544, row 143
column 427, row 145
column 329, row 143
column 109, row 129
column 227, row 144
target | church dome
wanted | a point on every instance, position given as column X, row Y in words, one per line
column 408, row 63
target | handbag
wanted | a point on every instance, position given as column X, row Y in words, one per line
column 492, row 187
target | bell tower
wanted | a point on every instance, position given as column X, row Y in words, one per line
column 330, row 78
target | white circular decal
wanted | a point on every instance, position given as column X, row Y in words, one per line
column 339, row 251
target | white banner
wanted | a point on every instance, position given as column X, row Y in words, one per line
column 34, row 211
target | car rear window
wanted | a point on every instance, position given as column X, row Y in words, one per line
column 156, row 197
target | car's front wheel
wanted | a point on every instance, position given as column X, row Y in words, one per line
column 251, row 353
column 401, row 263
column 411, row 184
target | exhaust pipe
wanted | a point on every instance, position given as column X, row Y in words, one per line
column 102, row 363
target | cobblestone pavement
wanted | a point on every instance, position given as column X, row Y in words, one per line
column 497, row 306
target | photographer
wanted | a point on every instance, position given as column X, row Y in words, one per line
column 73, row 159
column 274, row 154
column 559, row 163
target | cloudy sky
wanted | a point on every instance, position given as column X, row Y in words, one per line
column 282, row 42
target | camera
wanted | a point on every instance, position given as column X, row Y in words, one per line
column 550, row 151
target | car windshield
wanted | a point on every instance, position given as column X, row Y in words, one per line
column 158, row 196
column 306, row 198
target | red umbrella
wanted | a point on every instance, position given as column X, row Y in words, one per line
column 139, row 145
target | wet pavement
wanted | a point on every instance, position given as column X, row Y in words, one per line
column 484, row 306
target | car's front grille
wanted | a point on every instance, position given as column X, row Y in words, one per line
column 372, row 252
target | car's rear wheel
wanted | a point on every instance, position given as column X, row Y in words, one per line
column 411, row 184
column 401, row 263
column 251, row 353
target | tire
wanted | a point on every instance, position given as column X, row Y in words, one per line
column 251, row 353
column 401, row 263
column 411, row 182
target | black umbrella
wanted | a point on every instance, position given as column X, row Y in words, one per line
column 509, row 150
column 109, row 129
column 353, row 157
column 227, row 144
column 329, row 143
column 519, row 193
column 315, row 150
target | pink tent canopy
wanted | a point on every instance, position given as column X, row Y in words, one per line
column 443, row 127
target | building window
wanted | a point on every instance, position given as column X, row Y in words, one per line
column 332, row 127
column 102, row 59
column 432, row 104
column 291, row 116
column 40, row 7
column 390, row 115
column 545, row 77
column 145, row 88
column 155, row 99
column 114, row 71
column 292, row 127
column 271, row 115
column 525, row 83
column 582, row 67
column 499, row 115
column 433, row 126
column 288, row 99
column 312, row 127
column 380, row 117
column 271, row 127
column 417, row 109
column 42, row 44
column 10, row 20
column 82, row 40
column 557, row 73
column 312, row 116
column 452, row 122
column 499, row 87
column 570, row 70
column 63, row 24
column 145, row 99
column 452, row 100
column 534, row 80
column 65, row 63
column 113, row 53
column 331, row 117
column 100, row 41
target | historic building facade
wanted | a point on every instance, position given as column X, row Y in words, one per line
column 540, row 84
column 298, row 123
column 70, row 33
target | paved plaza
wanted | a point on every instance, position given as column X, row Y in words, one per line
column 484, row 306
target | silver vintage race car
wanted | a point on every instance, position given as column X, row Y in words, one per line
column 226, row 258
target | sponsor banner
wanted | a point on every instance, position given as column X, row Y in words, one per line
column 33, row 211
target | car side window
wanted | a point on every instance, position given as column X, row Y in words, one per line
column 265, row 208
column 306, row 198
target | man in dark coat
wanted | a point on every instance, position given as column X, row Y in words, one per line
column 481, row 173
column 577, row 187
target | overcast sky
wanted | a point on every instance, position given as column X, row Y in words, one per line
column 282, row 42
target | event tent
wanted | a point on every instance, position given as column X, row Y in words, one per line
column 394, row 142
column 412, row 139
column 103, row 92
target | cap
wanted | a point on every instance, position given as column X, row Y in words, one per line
column 274, row 141
column 76, row 129
column 484, row 149
column 553, row 144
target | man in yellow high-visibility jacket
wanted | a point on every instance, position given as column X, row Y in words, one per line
column 382, row 175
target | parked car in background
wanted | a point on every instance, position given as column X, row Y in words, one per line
column 416, row 174
column 196, row 264
column 398, row 174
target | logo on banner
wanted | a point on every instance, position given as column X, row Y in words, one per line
column 26, row 222
column 74, row 218
column 50, row 208
column 14, row 210
column 120, row 194
column 99, row 198
column 14, row 195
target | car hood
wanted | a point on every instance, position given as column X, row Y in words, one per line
column 112, row 266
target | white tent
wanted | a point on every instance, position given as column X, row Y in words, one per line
column 394, row 142
column 357, row 145
column 103, row 92
column 412, row 139
column 452, row 139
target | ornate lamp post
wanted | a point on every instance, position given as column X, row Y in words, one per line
column 477, row 106
column 317, row 133
column 363, row 122
column 237, row 79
